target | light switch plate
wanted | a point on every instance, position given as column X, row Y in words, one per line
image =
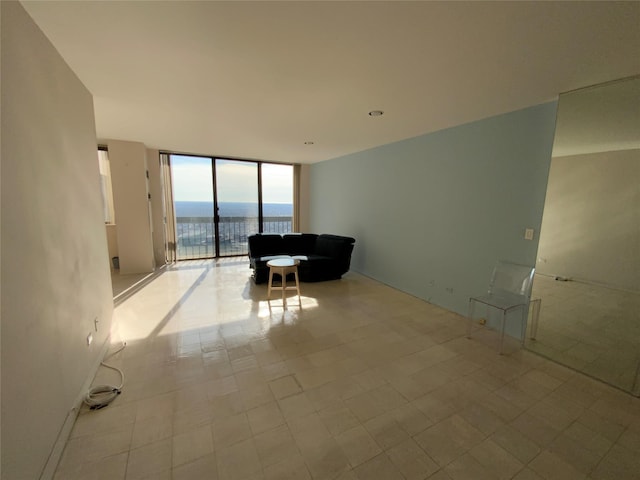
column 528, row 234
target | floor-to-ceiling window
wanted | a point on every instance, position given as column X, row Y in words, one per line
column 277, row 198
column 219, row 203
column 193, row 206
column 237, row 195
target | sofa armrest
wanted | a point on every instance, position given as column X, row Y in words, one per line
column 338, row 248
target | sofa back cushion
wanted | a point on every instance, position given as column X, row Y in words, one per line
column 262, row 244
column 300, row 243
column 334, row 246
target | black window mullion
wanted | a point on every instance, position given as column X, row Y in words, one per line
column 260, row 213
column 216, row 216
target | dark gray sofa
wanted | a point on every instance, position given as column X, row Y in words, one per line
column 322, row 257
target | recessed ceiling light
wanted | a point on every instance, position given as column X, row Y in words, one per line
column 376, row 113
column 308, row 143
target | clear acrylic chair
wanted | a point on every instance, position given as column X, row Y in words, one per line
column 509, row 290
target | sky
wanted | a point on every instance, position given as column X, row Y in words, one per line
column 237, row 181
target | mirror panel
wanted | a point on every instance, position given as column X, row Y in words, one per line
column 588, row 268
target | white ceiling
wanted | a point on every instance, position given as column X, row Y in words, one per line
column 258, row 79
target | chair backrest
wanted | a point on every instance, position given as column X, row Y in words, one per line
column 512, row 279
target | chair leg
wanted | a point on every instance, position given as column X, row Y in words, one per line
column 535, row 316
column 472, row 305
column 284, row 287
column 270, row 283
column 295, row 275
column 504, row 321
column 525, row 316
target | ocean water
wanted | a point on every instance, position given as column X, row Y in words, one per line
column 232, row 209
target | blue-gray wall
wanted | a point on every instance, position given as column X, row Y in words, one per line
column 431, row 215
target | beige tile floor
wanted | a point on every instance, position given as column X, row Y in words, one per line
column 591, row 328
column 360, row 382
column 122, row 285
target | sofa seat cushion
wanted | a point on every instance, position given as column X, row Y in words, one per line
column 266, row 258
column 311, row 258
column 313, row 268
column 261, row 262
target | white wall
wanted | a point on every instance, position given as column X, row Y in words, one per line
column 157, row 211
column 55, row 271
column 305, row 199
column 131, row 204
column 591, row 223
column 112, row 242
